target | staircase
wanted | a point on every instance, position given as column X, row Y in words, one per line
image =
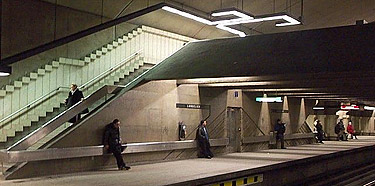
column 27, row 103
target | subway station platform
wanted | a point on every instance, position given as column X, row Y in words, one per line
column 246, row 167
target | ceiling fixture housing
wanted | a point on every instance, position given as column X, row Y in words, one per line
column 240, row 18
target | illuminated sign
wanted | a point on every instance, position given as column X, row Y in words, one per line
column 319, row 108
column 241, row 18
column 268, row 99
column 349, row 107
column 192, row 106
column 369, row 108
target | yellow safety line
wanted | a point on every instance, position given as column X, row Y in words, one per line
column 241, row 181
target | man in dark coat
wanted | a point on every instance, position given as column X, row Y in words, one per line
column 340, row 131
column 74, row 97
column 319, row 130
column 203, row 142
column 280, row 130
column 112, row 142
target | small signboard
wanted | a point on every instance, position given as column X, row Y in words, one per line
column 191, row 106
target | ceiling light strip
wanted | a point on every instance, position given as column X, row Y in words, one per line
column 242, row 19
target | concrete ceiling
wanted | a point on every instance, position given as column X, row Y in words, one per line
column 316, row 13
column 333, row 63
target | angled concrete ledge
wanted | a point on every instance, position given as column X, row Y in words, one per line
column 77, row 152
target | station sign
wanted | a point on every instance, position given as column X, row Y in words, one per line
column 192, row 106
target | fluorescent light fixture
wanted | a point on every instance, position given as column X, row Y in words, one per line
column 187, row 15
column 318, row 108
column 269, row 99
column 289, row 21
column 369, row 108
column 349, row 107
column 5, row 71
column 231, row 30
column 241, row 19
column 232, row 12
column 4, row 74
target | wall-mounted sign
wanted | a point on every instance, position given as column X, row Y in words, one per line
column 192, row 106
column 349, row 107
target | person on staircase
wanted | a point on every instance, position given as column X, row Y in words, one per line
column 75, row 96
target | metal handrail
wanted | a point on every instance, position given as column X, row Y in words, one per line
column 28, row 105
column 61, row 118
column 124, row 61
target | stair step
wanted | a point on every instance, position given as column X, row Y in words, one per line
column 104, row 50
column 3, row 93
column 41, row 72
column 17, row 84
column 25, row 80
column 139, row 30
column 33, row 75
column 110, row 47
column 9, row 88
column 93, row 56
column 125, row 38
column 55, row 64
column 87, row 60
column 3, row 138
column 48, row 68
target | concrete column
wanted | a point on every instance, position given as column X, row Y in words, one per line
column 302, row 115
column 234, row 98
column 285, row 117
column 329, row 124
column 264, row 122
column 371, row 122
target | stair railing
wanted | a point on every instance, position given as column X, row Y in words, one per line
column 83, row 87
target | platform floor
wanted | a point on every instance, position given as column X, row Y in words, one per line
column 183, row 170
